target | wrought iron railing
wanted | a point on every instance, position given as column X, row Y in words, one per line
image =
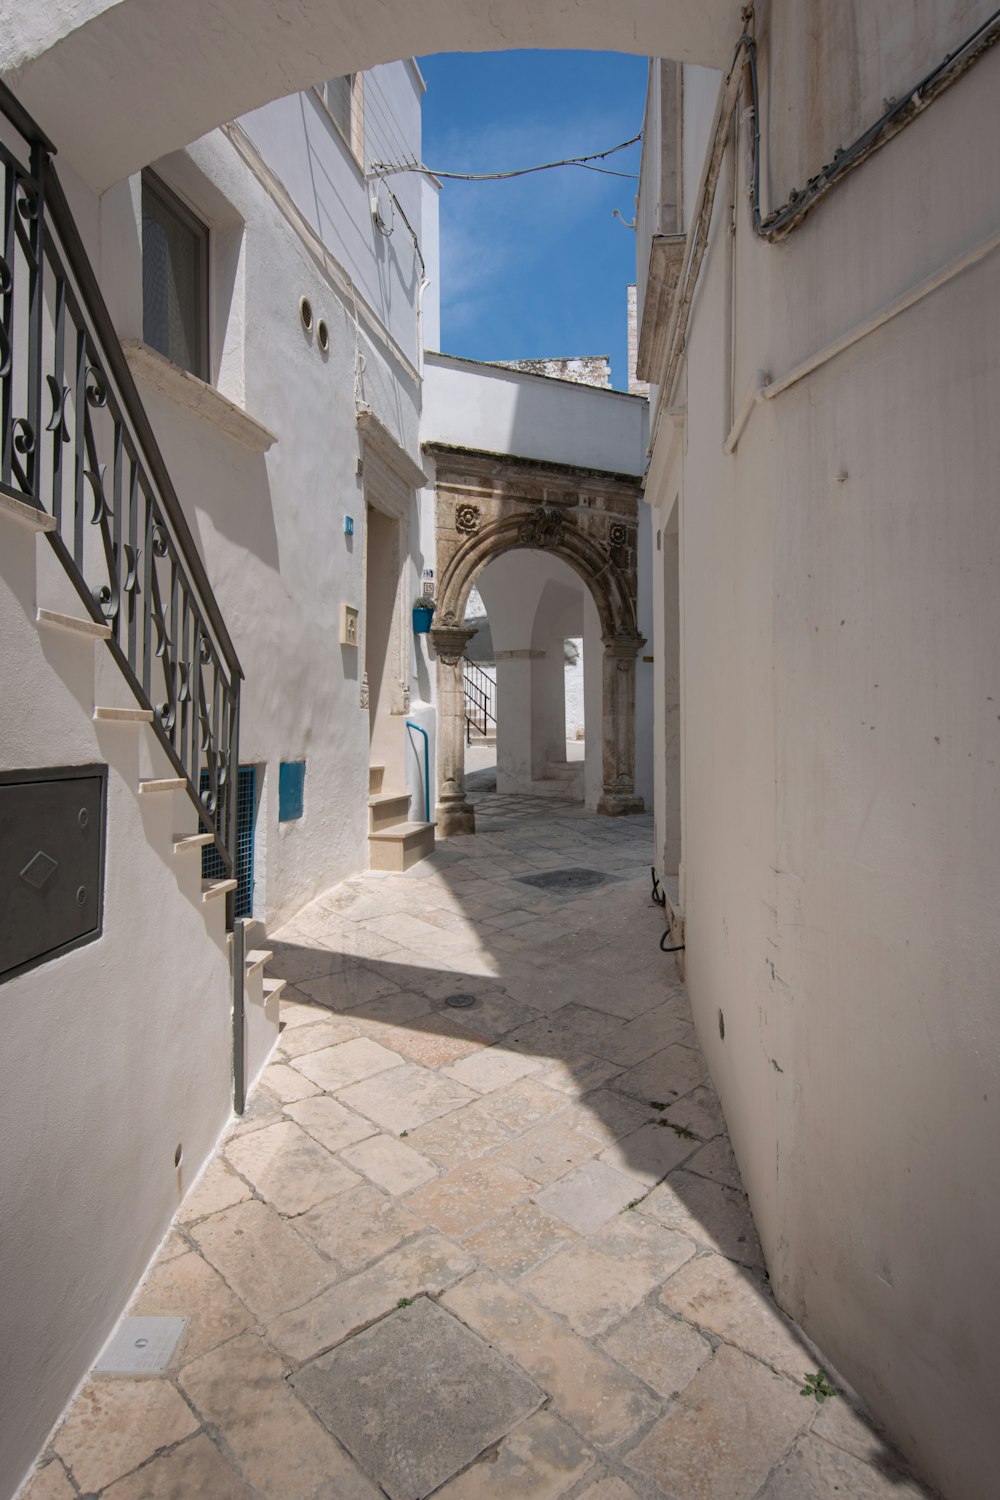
column 480, row 700
column 75, row 443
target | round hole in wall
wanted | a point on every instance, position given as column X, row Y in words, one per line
column 306, row 313
column 722, row 1027
column 178, row 1155
column 323, row 335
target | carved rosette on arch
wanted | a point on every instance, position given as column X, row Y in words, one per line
column 467, row 519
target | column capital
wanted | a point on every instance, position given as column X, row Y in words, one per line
column 624, row 645
column 449, row 641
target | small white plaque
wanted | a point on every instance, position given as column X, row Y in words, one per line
column 348, row 625
column 141, row 1346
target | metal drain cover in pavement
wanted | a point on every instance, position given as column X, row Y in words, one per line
column 141, row 1346
column 565, row 880
column 460, row 1002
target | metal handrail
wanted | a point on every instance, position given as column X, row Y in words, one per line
column 480, row 699
column 120, row 532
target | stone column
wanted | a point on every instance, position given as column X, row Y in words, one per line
column 618, row 726
column 453, row 813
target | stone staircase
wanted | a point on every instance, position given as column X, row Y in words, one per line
column 94, row 680
column 395, row 841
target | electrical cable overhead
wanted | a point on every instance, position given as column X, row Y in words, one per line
column 385, row 169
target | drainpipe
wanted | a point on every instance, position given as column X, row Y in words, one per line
column 427, row 768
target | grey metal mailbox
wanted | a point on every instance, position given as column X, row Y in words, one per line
column 51, row 863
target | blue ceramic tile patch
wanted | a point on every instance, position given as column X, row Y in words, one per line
column 291, row 789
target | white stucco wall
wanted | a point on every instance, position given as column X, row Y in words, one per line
column 840, row 633
column 116, row 1053
column 473, row 405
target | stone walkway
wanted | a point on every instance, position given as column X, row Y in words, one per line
column 494, row 1251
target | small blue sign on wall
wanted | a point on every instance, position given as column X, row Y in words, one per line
column 291, row 790
column 348, row 525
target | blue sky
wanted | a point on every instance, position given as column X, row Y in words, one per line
column 536, row 266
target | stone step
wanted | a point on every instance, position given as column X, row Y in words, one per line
column 124, row 715
column 386, row 809
column 211, row 889
column 28, row 515
column 375, row 775
column 73, row 622
column 162, row 784
column 186, row 841
column 273, row 988
column 400, row 847
column 256, row 959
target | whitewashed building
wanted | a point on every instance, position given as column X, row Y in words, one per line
column 817, row 286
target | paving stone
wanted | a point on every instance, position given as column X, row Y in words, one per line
column 594, row 1284
column 295, row 1009
column 649, row 1153
column 815, row 1470
column 839, row 1423
column 736, row 1305
column 416, row 1398
column 400, row 1009
column 337, row 1067
column 496, row 1014
column 608, row 1489
column 188, row 1287
column 576, row 1076
column 717, row 1162
column 298, row 961
column 353, row 985
column 517, row 1240
column 283, row 1452
column 469, row 1195
column 664, row 1076
column 358, row 1226
column 173, row 1245
column 713, row 1215
column 608, row 1116
column 491, row 1068
column 406, row 1097
column 115, row 1425
column 699, row 1111
column 267, row 1263
column 433, row 1040
column 725, row 1432
column 195, row 1468
column 589, row 1195
column 329, row 1122
column 288, row 1168
column 49, row 1483
column 665, row 1352
column 521, row 1105
column 425, row 1265
column 548, row 1151
column 389, row 1163
column 218, row 1187
column 285, row 1084
column 565, row 1032
column 599, row 1399
column 540, row 1460
column 646, row 1035
column 461, row 1136
column 297, row 1040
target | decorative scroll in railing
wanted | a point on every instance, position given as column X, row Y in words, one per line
column 75, row 442
column 480, row 700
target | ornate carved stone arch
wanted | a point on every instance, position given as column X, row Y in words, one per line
column 489, row 504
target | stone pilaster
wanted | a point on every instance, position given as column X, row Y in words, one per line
column 453, row 813
column 618, row 728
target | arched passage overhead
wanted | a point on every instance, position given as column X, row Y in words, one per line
column 87, row 68
column 490, row 504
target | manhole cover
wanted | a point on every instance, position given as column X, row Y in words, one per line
column 565, row 880
column 141, row 1346
column 460, row 1002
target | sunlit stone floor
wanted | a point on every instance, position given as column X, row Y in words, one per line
column 494, row 1251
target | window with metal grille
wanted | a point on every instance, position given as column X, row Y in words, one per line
column 212, row 867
